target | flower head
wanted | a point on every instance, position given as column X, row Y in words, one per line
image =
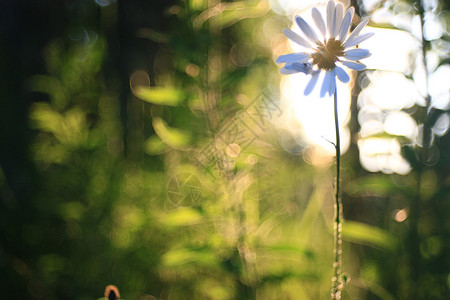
column 327, row 52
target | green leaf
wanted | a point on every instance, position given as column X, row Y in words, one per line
column 289, row 248
column 43, row 117
column 159, row 95
column 280, row 276
column 152, row 35
column 51, row 86
column 71, row 210
column 155, row 146
column 172, row 137
column 364, row 234
column 182, row 217
column 177, row 257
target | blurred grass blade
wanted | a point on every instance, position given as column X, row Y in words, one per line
column 375, row 185
column 226, row 14
column 159, row 95
column 312, row 211
column 364, row 234
column 281, row 276
column 172, row 137
column 373, row 287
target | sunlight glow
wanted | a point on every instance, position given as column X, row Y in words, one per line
column 400, row 123
column 382, row 154
column 315, row 114
column 289, row 7
column 392, row 50
column 400, row 215
column 439, row 88
column 386, row 91
column 310, row 119
column 389, row 91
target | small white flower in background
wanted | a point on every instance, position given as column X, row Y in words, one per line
column 327, row 54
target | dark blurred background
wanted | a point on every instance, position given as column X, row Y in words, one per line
column 121, row 161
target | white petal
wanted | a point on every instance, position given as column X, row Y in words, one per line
column 353, row 65
column 332, row 87
column 310, row 34
column 319, row 21
column 326, row 83
column 359, row 39
column 330, row 15
column 346, row 22
column 303, row 67
column 312, row 83
column 296, row 68
column 337, row 19
column 287, row 71
column 356, row 31
column 356, row 54
column 342, row 75
column 346, row 3
column 293, row 58
column 296, row 38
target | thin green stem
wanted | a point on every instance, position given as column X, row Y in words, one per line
column 337, row 262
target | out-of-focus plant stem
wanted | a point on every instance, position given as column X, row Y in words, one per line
column 426, row 126
column 337, row 286
column 415, row 206
column 213, row 71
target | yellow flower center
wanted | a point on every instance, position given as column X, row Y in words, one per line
column 327, row 54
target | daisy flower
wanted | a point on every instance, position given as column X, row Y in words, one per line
column 328, row 51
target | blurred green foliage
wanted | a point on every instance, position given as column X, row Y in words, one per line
column 128, row 100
